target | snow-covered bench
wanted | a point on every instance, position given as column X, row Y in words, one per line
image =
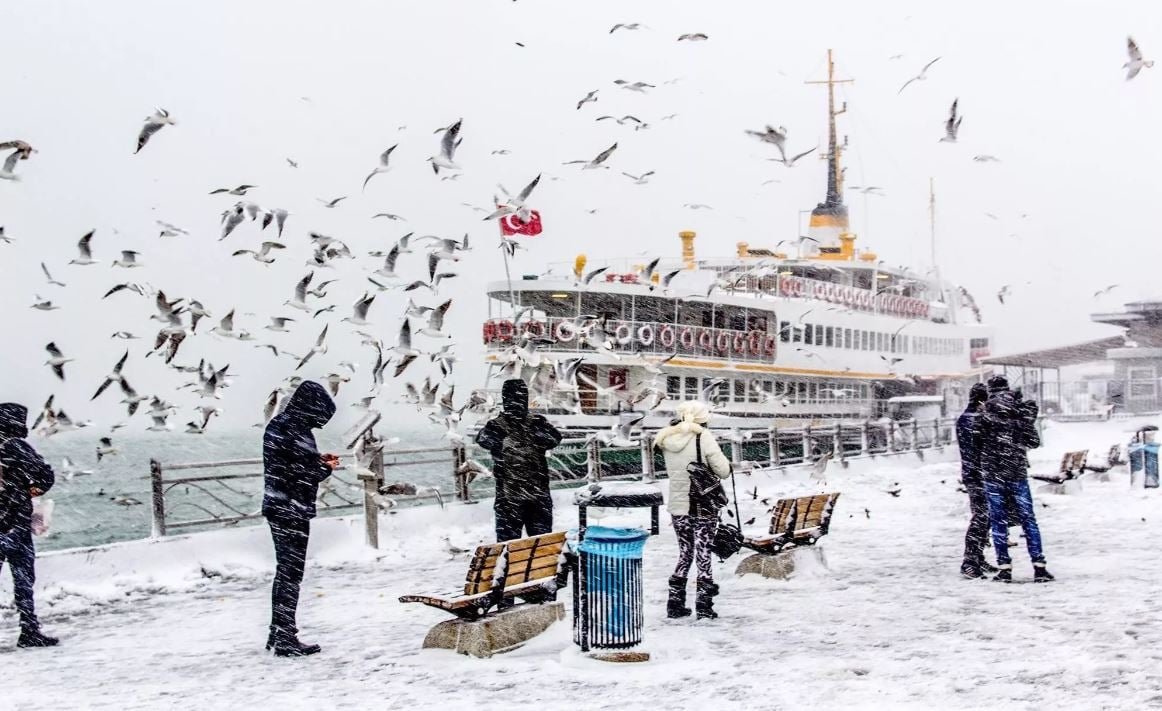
column 1072, row 467
column 795, row 522
column 526, row 568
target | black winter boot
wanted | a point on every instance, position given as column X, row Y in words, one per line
column 970, row 570
column 704, row 603
column 1004, row 574
column 1041, row 575
column 35, row 638
column 987, row 567
column 676, row 604
column 287, row 644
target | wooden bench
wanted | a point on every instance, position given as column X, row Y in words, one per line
column 531, row 569
column 1072, row 466
column 795, row 522
column 1113, row 459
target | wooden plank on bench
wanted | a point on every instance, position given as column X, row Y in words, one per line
column 797, row 521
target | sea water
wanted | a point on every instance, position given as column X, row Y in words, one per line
column 86, row 509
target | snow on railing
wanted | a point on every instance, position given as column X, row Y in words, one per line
column 230, row 497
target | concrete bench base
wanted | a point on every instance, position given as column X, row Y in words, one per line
column 501, row 632
column 1072, row 486
column 809, row 560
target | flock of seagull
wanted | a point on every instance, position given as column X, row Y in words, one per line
column 179, row 318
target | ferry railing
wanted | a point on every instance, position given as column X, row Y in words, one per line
column 227, row 493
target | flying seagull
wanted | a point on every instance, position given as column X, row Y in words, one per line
column 263, row 255
column 638, row 86
column 48, row 276
column 382, row 167
column 56, row 360
column 331, row 203
column 596, row 162
column 693, row 37
column 952, row 125
column 626, row 26
column 919, row 77
column 448, row 146
column 591, row 96
column 240, row 190
column 153, row 124
column 1136, row 62
column 639, row 179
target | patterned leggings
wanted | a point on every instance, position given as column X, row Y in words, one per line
column 695, row 536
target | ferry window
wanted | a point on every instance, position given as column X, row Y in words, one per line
column 863, row 390
column 862, row 340
column 674, row 387
column 818, row 335
column 740, row 390
column 879, row 341
column 829, row 336
column 691, row 388
column 847, row 338
column 797, row 334
column 801, row 391
column 812, row 392
column 768, row 386
column 785, row 331
column 809, row 335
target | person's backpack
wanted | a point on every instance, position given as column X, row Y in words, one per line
column 706, row 492
column 7, row 497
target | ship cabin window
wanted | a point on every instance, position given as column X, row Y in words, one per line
column 674, row 387
column 818, row 335
column 797, row 334
column 740, row 390
column 692, row 388
column 809, row 335
column 829, row 337
column 847, row 338
column 785, row 331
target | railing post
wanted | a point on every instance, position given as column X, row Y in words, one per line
column 775, row 446
column 837, row 443
column 864, row 444
column 890, row 433
column 806, row 444
column 915, row 433
column 647, row 450
column 373, row 479
column 593, row 461
column 157, row 486
column 460, row 478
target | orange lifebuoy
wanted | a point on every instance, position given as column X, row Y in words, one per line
column 723, row 342
column 705, row 339
column 666, row 336
column 686, row 337
column 504, row 330
column 740, row 343
column 488, row 331
column 565, row 331
column 769, row 346
column 755, row 342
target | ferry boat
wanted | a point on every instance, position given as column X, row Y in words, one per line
column 828, row 333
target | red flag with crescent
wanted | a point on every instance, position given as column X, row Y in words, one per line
column 513, row 225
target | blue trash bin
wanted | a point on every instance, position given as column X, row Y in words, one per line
column 1150, row 464
column 608, row 596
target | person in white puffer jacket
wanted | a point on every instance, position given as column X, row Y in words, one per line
column 695, row 528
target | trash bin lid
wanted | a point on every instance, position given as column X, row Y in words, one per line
column 606, row 540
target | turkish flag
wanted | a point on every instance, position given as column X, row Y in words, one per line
column 513, row 225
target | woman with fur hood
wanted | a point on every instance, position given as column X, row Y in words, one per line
column 680, row 444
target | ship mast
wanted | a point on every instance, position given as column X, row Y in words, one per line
column 932, row 223
column 829, row 223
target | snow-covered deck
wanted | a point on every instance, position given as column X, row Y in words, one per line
column 180, row 624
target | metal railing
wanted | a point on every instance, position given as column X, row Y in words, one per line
column 229, row 492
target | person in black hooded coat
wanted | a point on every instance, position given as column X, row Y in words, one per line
column 969, row 430
column 293, row 470
column 518, row 442
column 23, row 475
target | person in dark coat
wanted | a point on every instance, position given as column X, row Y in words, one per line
column 968, row 435
column 1009, row 431
column 518, row 442
column 24, row 475
column 293, row 470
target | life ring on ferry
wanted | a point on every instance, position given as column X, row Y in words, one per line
column 820, row 290
column 565, row 331
column 666, row 337
column 723, row 342
column 832, row 292
column 489, row 331
column 867, row 299
column 755, row 342
column 769, row 345
column 849, row 296
column 623, row 333
column 536, row 328
column 705, row 339
column 504, row 330
column 687, row 338
column 786, row 288
column 740, row 343
column 645, row 335
column 926, row 310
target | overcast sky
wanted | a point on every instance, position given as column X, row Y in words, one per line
column 331, row 85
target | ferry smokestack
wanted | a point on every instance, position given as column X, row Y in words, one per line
column 687, row 238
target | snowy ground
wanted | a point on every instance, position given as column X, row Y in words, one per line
column 181, row 624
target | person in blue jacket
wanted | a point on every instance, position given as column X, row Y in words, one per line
column 969, row 428
column 24, row 475
column 293, row 470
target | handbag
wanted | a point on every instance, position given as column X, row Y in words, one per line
column 728, row 536
column 706, row 492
